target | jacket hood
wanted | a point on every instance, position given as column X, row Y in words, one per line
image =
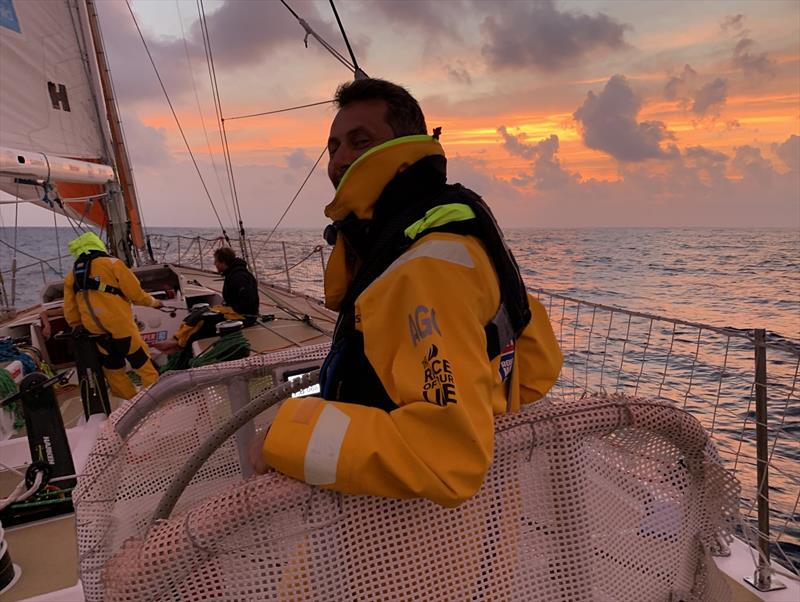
column 366, row 178
column 86, row 243
column 237, row 264
column 358, row 193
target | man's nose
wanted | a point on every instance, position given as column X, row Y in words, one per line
column 343, row 158
column 341, row 163
column 342, row 168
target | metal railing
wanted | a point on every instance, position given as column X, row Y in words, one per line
column 740, row 384
column 276, row 259
column 23, row 275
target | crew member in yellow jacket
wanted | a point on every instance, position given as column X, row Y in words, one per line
column 98, row 293
column 436, row 333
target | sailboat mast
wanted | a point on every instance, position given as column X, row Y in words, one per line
column 125, row 225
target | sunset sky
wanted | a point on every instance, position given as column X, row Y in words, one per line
column 563, row 113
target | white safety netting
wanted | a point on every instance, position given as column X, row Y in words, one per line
column 602, row 498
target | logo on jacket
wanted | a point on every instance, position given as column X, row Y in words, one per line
column 506, row 360
column 422, row 323
column 439, row 387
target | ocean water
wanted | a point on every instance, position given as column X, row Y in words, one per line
column 740, row 278
column 744, row 278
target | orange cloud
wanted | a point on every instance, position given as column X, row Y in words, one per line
column 768, row 117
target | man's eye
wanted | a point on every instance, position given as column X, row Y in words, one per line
column 362, row 142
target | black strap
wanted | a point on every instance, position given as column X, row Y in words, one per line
column 84, row 282
column 514, row 313
column 93, row 284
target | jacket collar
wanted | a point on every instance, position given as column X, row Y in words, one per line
column 237, row 264
column 366, row 178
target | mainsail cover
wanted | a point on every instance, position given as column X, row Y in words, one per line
column 46, row 99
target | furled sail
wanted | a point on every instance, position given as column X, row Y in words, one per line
column 51, row 126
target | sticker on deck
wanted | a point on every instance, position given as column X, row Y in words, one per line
column 154, row 337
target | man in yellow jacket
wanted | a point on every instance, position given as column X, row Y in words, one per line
column 436, row 333
column 98, row 293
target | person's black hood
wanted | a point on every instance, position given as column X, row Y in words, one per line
column 237, row 264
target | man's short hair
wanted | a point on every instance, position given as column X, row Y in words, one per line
column 225, row 255
column 403, row 115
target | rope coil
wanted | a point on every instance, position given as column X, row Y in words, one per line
column 9, row 352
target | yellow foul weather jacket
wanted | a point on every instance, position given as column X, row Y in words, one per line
column 112, row 311
column 102, row 305
column 422, row 322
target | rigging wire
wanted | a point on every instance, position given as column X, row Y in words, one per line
column 109, row 97
column 38, row 259
column 58, row 244
column 313, row 104
column 177, row 121
column 285, row 211
column 88, row 206
column 79, row 229
column 16, row 226
column 14, row 256
column 359, row 74
column 200, row 111
column 3, row 229
column 87, row 45
column 6, row 303
column 310, row 32
column 65, row 211
column 89, row 198
column 217, row 110
column 223, row 132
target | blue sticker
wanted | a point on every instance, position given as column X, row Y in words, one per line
column 8, row 16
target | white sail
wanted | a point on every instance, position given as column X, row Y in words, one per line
column 46, row 99
column 55, row 138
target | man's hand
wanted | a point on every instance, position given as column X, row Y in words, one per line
column 257, row 455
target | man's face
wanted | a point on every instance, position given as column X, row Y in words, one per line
column 356, row 129
column 221, row 267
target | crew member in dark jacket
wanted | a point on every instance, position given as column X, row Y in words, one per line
column 240, row 290
column 240, row 294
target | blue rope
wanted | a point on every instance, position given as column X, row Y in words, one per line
column 9, row 352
